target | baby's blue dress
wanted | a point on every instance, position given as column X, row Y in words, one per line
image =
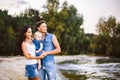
column 37, row 45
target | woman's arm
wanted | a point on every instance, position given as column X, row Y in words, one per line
column 26, row 53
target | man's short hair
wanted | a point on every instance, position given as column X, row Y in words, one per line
column 39, row 23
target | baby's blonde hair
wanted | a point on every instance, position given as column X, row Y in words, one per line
column 37, row 34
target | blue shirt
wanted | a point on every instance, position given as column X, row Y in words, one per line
column 48, row 46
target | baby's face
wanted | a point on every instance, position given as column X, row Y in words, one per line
column 38, row 37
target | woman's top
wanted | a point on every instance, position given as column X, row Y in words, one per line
column 31, row 51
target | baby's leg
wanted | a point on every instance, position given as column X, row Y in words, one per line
column 39, row 64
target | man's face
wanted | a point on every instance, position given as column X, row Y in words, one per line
column 42, row 28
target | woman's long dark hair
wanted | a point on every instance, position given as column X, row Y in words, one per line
column 21, row 36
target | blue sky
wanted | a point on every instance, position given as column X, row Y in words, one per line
column 92, row 10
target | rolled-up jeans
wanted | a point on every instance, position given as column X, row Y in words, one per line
column 48, row 71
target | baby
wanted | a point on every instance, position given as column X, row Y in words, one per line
column 38, row 44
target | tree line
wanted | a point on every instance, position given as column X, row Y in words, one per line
column 65, row 22
column 108, row 40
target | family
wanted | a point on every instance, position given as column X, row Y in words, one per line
column 39, row 51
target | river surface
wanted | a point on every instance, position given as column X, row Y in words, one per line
column 90, row 68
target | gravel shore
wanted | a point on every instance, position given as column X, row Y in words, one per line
column 12, row 68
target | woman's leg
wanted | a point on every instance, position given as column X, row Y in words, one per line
column 32, row 72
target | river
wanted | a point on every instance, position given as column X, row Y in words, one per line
column 90, row 68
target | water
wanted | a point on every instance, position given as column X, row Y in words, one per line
column 90, row 68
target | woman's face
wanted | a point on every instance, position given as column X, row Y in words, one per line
column 42, row 28
column 28, row 34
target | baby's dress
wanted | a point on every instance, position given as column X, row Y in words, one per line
column 37, row 45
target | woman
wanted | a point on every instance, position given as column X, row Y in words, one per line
column 26, row 46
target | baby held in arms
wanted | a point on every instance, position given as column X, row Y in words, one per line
column 38, row 44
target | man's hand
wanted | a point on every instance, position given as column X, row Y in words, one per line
column 43, row 55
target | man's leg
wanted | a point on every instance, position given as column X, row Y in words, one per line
column 51, row 72
column 42, row 74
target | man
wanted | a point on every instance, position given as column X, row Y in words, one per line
column 50, row 48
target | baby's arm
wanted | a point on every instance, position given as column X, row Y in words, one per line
column 41, row 46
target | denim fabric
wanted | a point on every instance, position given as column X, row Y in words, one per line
column 39, row 53
column 31, row 71
column 48, row 63
column 37, row 43
column 49, row 71
column 37, row 46
column 48, row 46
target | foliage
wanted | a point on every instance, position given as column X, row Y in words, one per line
column 65, row 22
column 108, row 40
column 7, row 37
column 66, row 28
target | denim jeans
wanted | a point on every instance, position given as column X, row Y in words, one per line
column 48, row 71
column 31, row 71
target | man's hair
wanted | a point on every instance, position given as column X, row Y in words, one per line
column 39, row 23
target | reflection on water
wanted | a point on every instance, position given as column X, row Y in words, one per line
column 71, row 75
column 91, row 68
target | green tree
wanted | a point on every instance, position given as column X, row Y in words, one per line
column 7, row 37
column 108, row 39
column 28, row 17
column 65, row 24
column 10, row 26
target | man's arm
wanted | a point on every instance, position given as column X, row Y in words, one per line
column 56, row 45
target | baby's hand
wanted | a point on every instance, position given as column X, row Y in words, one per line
column 36, row 52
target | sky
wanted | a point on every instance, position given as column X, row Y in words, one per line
column 91, row 10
